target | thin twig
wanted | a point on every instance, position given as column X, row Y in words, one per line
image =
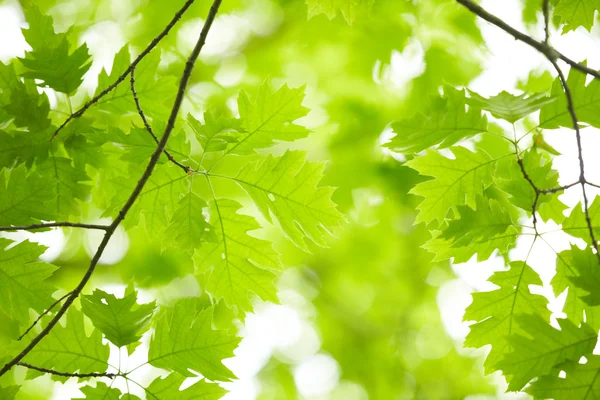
column 545, row 49
column 582, row 180
column 183, row 83
column 546, row 11
column 70, row 374
column 122, row 77
column 52, row 225
column 185, row 168
column 44, row 313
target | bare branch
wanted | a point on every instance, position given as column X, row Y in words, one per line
column 183, row 83
column 546, row 11
column 52, row 225
column 69, row 374
column 122, row 77
column 185, row 168
column 550, row 52
column 582, row 179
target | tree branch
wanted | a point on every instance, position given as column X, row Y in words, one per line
column 183, row 83
column 52, row 225
column 122, row 77
column 546, row 11
column 69, row 374
column 185, row 168
column 582, row 180
column 550, row 52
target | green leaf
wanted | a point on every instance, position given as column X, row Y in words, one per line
column 576, row 13
column 458, row 181
column 495, row 312
column 489, row 220
column 188, row 228
column 216, row 133
column 184, row 339
column 23, row 197
column 17, row 147
column 68, row 349
column 237, row 263
column 23, row 280
column 568, row 265
column 21, row 102
column 287, row 188
column 70, row 185
column 576, row 224
column 269, row 118
column 586, row 101
column 100, row 392
column 581, row 381
column 445, row 123
column 350, row 9
column 49, row 60
column 168, row 389
column 9, row 392
column 121, row 320
column 544, row 347
column 508, row 106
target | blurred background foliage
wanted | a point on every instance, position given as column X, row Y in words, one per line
column 370, row 299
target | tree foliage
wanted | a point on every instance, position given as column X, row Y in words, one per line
column 247, row 185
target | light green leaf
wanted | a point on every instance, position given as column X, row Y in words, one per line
column 544, row 347
column 237, row 263
column 70, row 185
column 269, row 118
column 581, row 381
column 216, row 133
column 568, row 264
column 184, row 339
column 49, row 60
column 188, row 228
column 350, row 9
column 168, row 389
column 457, row 181
column 576, row 224
column 495, row 312
column 445, row 123
column 288, row 188
column 69, row 349
column 9, row 392
column 586, row 100
column 489, row 220
column 576, row 13
column 21, row 102
column 22, row 280
column 100, row 392
column 509, row 106
column 23, row 197
column 121, row 320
